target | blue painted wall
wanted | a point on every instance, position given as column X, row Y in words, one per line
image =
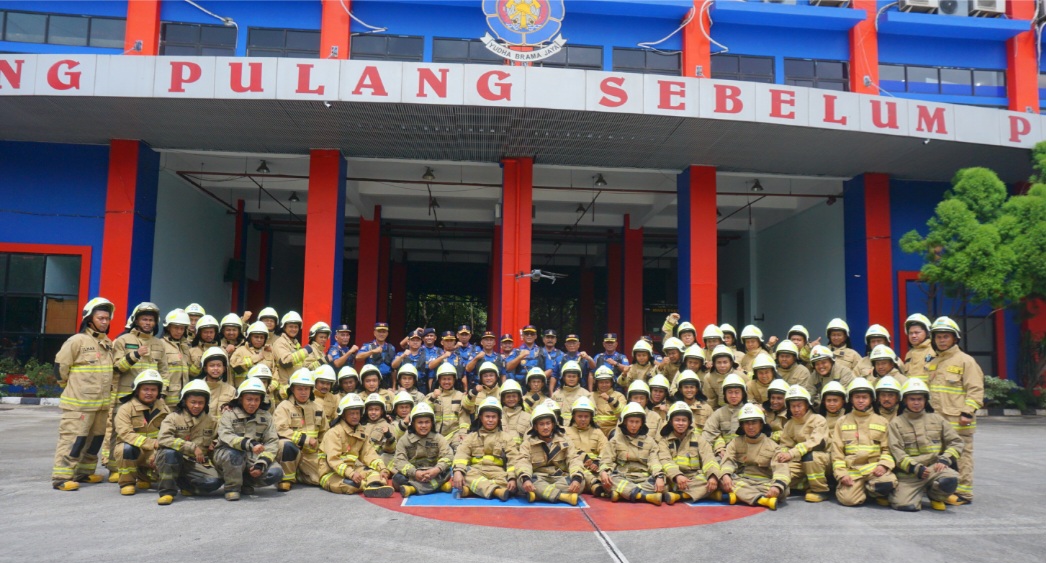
column 856, row 263
column 145, row 197
column 55, row 194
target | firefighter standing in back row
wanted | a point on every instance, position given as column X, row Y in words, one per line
column 84, row 368
column 176, row 345
column 956, row 392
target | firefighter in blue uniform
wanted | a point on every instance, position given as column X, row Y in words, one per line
column 488, row 352
column 449, row 354
column 552, row 358
column 610, row 357
column 574, row 353
column 340, row 353
column 379, row 353
column 466, row 349
column 527, row 356
column 416, row 356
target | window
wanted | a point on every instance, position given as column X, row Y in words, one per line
column 60, row 29
column 186, row 39
column 39, row 303
column 744, row 68
column 466, row 51
column 646, row 61
column 410, row 48
column 289, row 43
column 940, row 80
column 827, row 75
column 575, row 56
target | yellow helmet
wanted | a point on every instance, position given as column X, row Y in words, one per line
column 838, row 324
column 917, row 318
column 686, row 326
column 232, row 319
column 883, row 352
column 633, row 409
column 302, row 377
column 679, row 407
column 447, row 368
column 694, row 351
column 196, row 386
column 268, row 313
column 820, row 352
column 147, row 376
column 763, row 361
column 511, row 386
column 751, row 411
column 733, row 380
column 490, row 404
column 642, row 346
column 672, row 343
column 723, row 350
column 570, row 365
column 347, row 372
column 407, row 368
column 726, row 327
column 325, row 373
column 421, row 409
column 604, row 372
column 914, row 386
column 659, row 381
column 752, row 331
column 712, row 331
column 260, row 371
column 536, row 372
column 583, row 404
column 877, row 331
column 833, row 388
column 484, row 367
column 206, row 321
column 541, row 411
column 252, row 385
column 195, row 309
column 887, row 383
column 317, row 328
column 290, row 318
column 258, row 327
column 176, row 317
column 800, row 330
column 688, row 376
column 375, row 399
column 350, row 401
column 787, row 347
column 777, row 386
column 798, row 393
column 402, row 398
column 946, row 324
column 860, row 384
column 638, row 386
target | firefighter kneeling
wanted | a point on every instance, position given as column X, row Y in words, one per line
column 247, row 442
column 185, row 446
column 350, row 464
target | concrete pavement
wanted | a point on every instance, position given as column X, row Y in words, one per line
column 95, row 523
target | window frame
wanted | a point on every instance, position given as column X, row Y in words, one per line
column 743, row 76
column 387, row 57
column 285, row 51
column 199, row 45
column 494, row 59
column 647, row 69
column 47, row 28
column 972, row 71
column 816, row 80
column 46, row 250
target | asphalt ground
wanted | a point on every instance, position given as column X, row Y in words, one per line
column 1007, row 522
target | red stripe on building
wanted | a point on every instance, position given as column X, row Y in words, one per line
column 334, row 29
column 322, row 244
column 143, row 24
column 115, row 277
column 697, row 48
column 633, row 297
column 516, row 229
column 879, row 245
column 704, row 247
column 864, row 50
column 1022, row 68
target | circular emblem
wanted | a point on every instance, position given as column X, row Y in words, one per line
column 523, row 15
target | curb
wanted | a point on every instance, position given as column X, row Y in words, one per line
column 46, row 402
column 1010, row 412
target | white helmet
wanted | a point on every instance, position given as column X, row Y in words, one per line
column 446, row 368
column 751, row 411
column 402, row 398
column 258, row 327
column 787, row 347
column 260, row 371
column 833, row 388
column 197, row 386
column 800, row 330
column 712, row 331
column 302, row 377
column 838, row 324
column 763, row 361
column 232, row 319
column 510, row 386
column 421, row 409
column 752, row 331
column 638, row 386
column 348, row 371
column 349, row 402
column 268, row 312
column 877, row 331
column 887, row 383
column 726, row 327
column 603, row 372
column 97, row 303
column 318, row 328
column 195, row 309
column 147, row 376
column 642, row 346
column 206, row 321
column 799, row 393
column 673, row 343
column 290, row 317
column 820, row 352
column 214, row 353
column 883, row 352
column 252, row 385
column 176, row 317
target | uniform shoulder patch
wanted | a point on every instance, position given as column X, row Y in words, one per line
column 848, row 427
column 931, row 367
column 131, row 346
column 955, row 369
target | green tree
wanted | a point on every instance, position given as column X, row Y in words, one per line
column 989, row 247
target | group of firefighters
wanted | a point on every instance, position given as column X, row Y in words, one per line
column 186, row 404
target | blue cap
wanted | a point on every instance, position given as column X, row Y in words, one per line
column 464, row 328
column 530, row 328
column 449, row 335
column 549, row 332
column 610, row 337
column 428, row 331
column 343, row 328
column 381, row 325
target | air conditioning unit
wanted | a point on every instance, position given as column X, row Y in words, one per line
column 918, row 5
column 830, row 2
column 955, row 8
column 987, row 8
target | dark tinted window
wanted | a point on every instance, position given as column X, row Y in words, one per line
column 193, row 39
column 575, row 56
column 646, row 61
column 827, row 75
column 27, row 28
column 283, row 43
column 67, row 30
column 107, row 32
column 465, row 51
column 744, row 68
column 372, row 47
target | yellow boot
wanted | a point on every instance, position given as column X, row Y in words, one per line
column 143, row 484
column 407, row 490
column 128, row 490
column 954, row 500
column 652, row 498
column 114, row 477
column 671, row 498
column 465, row 492
column 569, row 498
column 882, row 501
column 532, row 497
column 501, row 493
column 615, row 496
column 770, row 503
column 815, row 497
column 447, row 487
column 938, row 505
column 67, row 486
column 283, row 486
column 92, row 478
column 165, row 500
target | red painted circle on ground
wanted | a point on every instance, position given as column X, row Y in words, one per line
column 607, row 516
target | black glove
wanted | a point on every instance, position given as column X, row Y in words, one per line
column 918, row 470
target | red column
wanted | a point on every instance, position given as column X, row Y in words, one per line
column 517, row 202
column 324, row 240
column 864, row 50
column 398, row 318
column 880, row 250
column 257, row 290
column 615, row 270
column 143, row 24
column 1022, row 71
column 633, row 298
column 334, row 30
column 367, row 276
column 698, row 246
column 697, row 49
column 115, row 277
column 494, row 307
column 587, row 306
column 384, row 252
column 237, row 253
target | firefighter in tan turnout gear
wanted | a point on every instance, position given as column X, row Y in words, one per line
column 549, row 468
column 350, row 464
column 186, row 438
column 137, row 426
column 861, row 458
column 300, row 424
column 247, row 442
column 423, row 456
column 750, row 470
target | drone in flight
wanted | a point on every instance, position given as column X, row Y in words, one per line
column 537, row 275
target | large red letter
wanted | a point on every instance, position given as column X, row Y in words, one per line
column 669, row 89
column 56, row 82
column 179, row 78
column 891, row 114
column 614, row 96
column 236, row 78
column 305, row 81
column 933, row 123
column 829, row 111
column 1019, row 127
column 370, row 79
column 13, row 75
column 779, row 99
column 727, row 99
column 438, row 85
column 504, row 88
